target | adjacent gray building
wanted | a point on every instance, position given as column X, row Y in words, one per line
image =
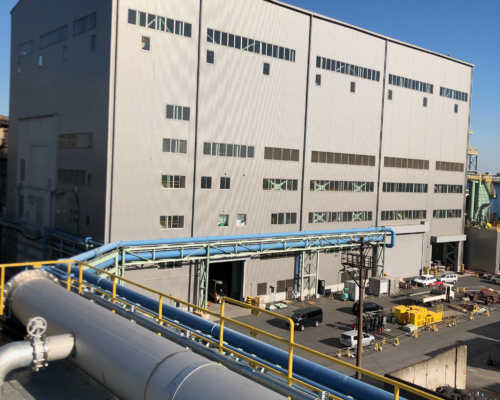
column 134, row 119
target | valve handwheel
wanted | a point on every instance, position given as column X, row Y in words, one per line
column 36, row 327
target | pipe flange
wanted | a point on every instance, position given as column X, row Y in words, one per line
column 15, row 282
column 40, row 353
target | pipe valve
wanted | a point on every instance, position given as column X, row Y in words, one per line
column 36, row 328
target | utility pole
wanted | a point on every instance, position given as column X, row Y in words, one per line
column 360, row 311
column 363, row 264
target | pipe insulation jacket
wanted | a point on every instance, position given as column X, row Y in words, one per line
column 129, row 360
column 229, row 250
column 333, row 380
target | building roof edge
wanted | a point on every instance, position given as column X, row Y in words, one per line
column 324, row 17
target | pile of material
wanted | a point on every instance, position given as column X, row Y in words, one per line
column 488, row 296
column 459, row 394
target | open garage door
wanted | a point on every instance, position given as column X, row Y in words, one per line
column 226, row 277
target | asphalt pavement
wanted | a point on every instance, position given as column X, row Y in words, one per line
column 481, row 336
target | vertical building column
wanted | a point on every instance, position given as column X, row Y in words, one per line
column 305, row 125
column 377, row 221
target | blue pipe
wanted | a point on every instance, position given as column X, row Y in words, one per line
column 331, row 379
column 228, row 249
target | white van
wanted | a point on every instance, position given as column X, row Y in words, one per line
column 448, row 278
column 425, row 280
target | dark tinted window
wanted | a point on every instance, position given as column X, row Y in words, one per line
column 224, row 39
column 237, row 44
column 231, row 40
column 132, row 17
column 210, row 56
column 187, row 30
column 266, row 69
column 170, row 25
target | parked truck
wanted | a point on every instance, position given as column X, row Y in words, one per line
column 434, row 296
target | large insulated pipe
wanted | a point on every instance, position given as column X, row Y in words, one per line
column 130, row 361
column 336, row 381
column 89, row 255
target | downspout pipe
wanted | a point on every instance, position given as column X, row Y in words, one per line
column 334, row 381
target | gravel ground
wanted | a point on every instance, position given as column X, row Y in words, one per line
column 459, row 394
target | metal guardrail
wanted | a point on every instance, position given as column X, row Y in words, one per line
column 79, row 284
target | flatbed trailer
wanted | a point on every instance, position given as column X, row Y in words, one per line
column 433, row 296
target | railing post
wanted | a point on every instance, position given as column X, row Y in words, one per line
column 221, row 331
column 290, row 354
column 160, row 312
column 114, row 290
column 68, row 280
column 80, row 278
column 2, row 283
column 396, row 392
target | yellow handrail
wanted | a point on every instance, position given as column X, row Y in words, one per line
column 221, row 317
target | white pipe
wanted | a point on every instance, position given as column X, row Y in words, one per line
column 130, row 361
column 23, row 354
column 13, row 356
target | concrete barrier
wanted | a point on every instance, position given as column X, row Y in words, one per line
column 447, row 368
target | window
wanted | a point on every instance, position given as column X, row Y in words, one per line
column 410, row 84
column 389, row 95
column 53, row 37
column 261, row 289
column 142, row 19
column 449, row 166
column 75, row 141
column 275, row 153
column 241, row 219
column 283, row 218
column 210, row 57
column 453, row 94
column 353, row 87
column 425, row 101
column 170, row 25
column 318, row 80
column 187, row 29
column 178, row 27
column 170, row 265
column 349, row 69
column 448, row 188
column 92, row 43
column 438, row 214
column 206, row 182
column 25, row 48
column 339, row 216
column 64, row 53
column 280, row 184
column 178, row 112
column 339, row 158
column 394, row 162
column 87, row 23
column 228, row 150
column 172, row 222
column 341, row 186
column 22, row 170
column 403, row 215
column 40, row 61
column 250, row 45
column 151, row 21
column 225, row 183
column 71, row 177
column 456, row 108
column 390, row 187
column 145, row 43
column 19, row 68
column 173, row 182
column 266, row 69
column 174, row 146
column 132, row 17
column 223, row 220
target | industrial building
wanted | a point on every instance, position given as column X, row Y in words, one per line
column 140, row 120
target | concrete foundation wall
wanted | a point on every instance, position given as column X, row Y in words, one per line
column 447, row 368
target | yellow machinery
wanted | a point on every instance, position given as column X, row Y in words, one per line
column 415, row 315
